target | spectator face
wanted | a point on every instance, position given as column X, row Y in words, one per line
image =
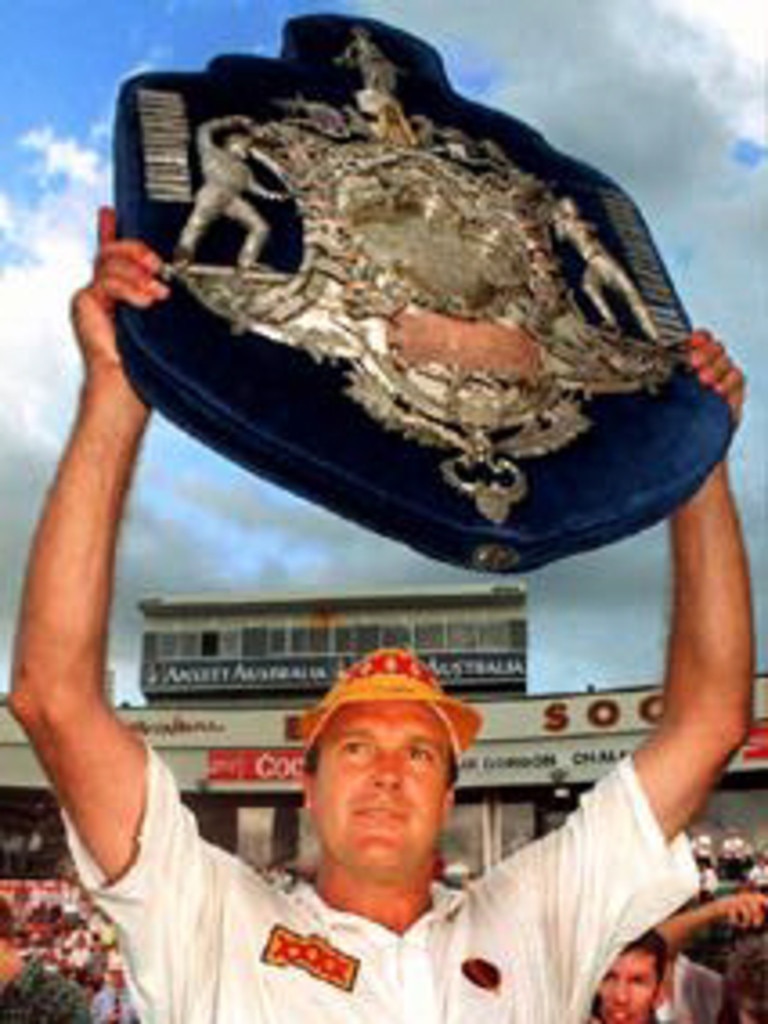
column 116, row 978
column 631, row 990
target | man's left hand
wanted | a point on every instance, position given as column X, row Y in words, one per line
column 715, row 369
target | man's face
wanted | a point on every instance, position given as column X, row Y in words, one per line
column 631, row 990
column 380, row 794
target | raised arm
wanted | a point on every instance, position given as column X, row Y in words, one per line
column 741, row 910
column 710, row 670
column 95, row 763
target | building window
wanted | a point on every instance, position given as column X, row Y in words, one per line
column 254, row 642
column 518, row 825
column 310, row 640
column 188, row 645
column 149, row 647
column 368, row 638
column 503, row 635
column 518, row 634
column 461, row 844
column 462, row 636
column 209, row 646
column 395, row 635
column 254, row 836
column 230, row 643
column 299, row 640
column 166, row 646
column 346, row 640
column 430, row 636
column 277, row 640
column 319, row 640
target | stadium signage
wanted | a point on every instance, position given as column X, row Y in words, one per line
column 604, row 713
column 756, row 748
column 481, row 670
column 542, row 765
column 177, row 725
column 259, row 765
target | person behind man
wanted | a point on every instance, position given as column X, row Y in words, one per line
column 758, row 873
column 693, row 993
column 205, row 939
column 31, row 993
column 632, row 987
column 746, row 980
column 111, row 1004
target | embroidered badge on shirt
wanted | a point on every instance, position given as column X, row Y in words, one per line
column 312, row 954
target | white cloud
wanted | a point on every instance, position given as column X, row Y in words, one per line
column 742, row 27
column 51, row 238
column 6, row 215
column 62, row 157
column 725, row 47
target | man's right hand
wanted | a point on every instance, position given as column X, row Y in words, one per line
column 123, row 271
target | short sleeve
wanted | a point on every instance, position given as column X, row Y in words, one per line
column 165, row 906
column 587, row 889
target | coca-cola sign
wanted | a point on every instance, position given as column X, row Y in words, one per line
column 259, row 765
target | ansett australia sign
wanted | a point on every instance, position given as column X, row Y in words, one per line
column 483, row 671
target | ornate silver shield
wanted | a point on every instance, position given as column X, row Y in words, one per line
column 432, row 271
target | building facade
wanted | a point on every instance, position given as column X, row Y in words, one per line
column 225, row 679
column 286, row 650
column 239, row 768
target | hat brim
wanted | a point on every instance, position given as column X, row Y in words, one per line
column 462, row 722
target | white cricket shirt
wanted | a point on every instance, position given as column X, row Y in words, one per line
column 207, row 941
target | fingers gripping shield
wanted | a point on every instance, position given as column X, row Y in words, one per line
column 405, row 306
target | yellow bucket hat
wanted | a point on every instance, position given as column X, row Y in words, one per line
column 394, row 674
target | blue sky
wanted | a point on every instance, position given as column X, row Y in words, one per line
column 62, row 60
column 666, row 95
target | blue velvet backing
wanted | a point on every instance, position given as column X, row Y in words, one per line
column 277, row 412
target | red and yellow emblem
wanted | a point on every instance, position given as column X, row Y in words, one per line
column 312, row 954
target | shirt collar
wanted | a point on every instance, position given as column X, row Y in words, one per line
column 445, row 904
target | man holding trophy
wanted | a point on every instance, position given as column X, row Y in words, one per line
column 207, row 940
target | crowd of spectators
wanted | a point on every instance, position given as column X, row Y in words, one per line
column 58, row 928
column 730, row 865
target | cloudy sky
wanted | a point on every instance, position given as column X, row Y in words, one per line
column 667, row 96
